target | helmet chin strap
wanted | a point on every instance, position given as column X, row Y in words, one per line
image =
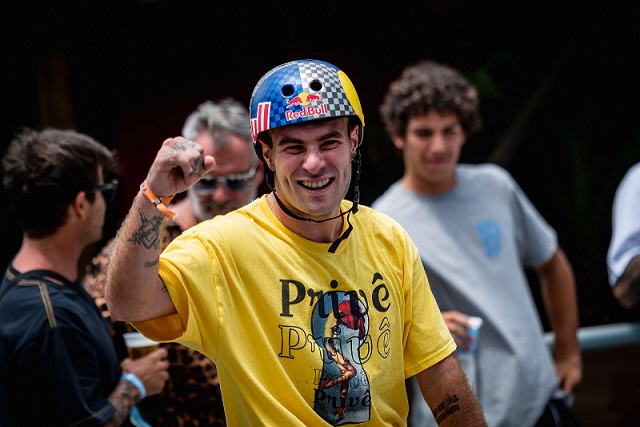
column 353, row 208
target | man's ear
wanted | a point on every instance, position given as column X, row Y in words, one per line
column 266, row 154
column 398, row 142
column 355, row 137
column 79, row 206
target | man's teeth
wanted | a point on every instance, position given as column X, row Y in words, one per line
column 316, row 184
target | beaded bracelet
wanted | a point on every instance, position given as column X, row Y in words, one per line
column 159, row 203
column 136, row 382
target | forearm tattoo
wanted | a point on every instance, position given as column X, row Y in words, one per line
column 448, row 406
column 150, row 264
column 123, row 399
column 149, row 232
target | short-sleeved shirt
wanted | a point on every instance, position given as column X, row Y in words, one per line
column 58, row 365
column 302, row 336
column 625, row 236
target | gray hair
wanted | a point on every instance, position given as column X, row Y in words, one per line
column 219, row 118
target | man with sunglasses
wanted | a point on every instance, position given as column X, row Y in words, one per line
column 57, row 364
column 222, row 129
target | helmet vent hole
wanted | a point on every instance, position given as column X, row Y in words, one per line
column 287, row 90
column 315, row 85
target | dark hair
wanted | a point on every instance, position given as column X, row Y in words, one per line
column 44, row 171
column 429, row 85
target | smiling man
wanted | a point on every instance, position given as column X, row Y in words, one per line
column 314, row 309
column 477, row 231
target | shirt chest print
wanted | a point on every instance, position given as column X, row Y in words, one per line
column 341, row 336
column 491, row 237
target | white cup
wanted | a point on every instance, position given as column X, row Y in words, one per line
column 138, row 345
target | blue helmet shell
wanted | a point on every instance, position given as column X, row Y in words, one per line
column 301, row 91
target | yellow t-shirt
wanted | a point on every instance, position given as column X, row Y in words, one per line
column 302, row 336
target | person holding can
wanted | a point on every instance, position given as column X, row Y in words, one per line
column 477, row 232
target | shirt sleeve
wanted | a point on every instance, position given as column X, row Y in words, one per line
column 625, row 221
column 64, row 372
column 189, row 269
column 537, row 240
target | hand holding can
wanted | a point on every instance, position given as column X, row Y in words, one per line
column 474, row 332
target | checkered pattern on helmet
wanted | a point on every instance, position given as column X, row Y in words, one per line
column 300, row 74
column 332, row 92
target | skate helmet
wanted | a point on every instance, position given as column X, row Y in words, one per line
column 301, row 91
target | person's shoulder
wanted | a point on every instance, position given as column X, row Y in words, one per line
column 378, row 221
column 629, row 184
column 484, row 169
column 249, row 212
column 385, row 232
column 388, row 197
column 234, row 223
column 633, row 173
column 486, row 175
column 37, row 306
column 30, row 297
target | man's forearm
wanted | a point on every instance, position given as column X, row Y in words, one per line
column 627, row 289
column 557, row 283
column 133, row 286
column 123, row 398
column 449, row 395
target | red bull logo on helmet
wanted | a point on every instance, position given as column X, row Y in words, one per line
column 306, row 112
column 304, row 99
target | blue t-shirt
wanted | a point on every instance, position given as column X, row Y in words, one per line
column 58, row 364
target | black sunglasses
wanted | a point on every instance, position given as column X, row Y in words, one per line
column 108, row 190
column 233, row 182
